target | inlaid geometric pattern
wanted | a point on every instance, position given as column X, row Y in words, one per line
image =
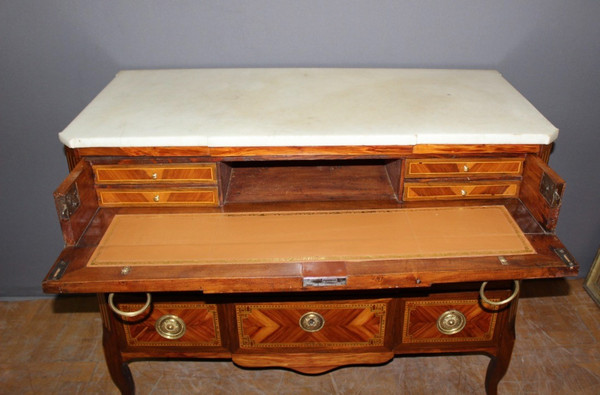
column 463, row 168
column 460, row 191
column 107, row 174
column 201, row 323
column 117, row 197
column 277, row 325
column 421, row 316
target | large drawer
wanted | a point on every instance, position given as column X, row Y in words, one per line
column 155, row 173
column 448, row 320
column 122, row 197
column 460, row 190
column 173, row 324
column 468, row 167
column 312, row 325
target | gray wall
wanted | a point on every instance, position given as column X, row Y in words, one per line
column 56, row 55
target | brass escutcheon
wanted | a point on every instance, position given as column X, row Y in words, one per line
column 451, row 322
column 312, row 322
column 170, row 327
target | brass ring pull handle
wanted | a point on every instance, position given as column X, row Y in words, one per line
column 312, row 322
column 128, row 313
column 500, row 303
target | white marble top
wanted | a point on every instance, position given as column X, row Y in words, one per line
column 307, row 107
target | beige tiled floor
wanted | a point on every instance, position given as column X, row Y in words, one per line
column 52, row 346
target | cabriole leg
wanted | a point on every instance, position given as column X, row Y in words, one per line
column 117, row 367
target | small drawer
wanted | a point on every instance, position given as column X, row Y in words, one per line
column 461, row 320
column 185, row 324
column 472, row 190
column 164, row 173
column 429, row 168
column 118, row 197
column 312, row 325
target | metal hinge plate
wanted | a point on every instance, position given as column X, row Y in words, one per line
column 564, row 256
column 550, row 191
column 69, row 203
column 58, row 272
column 323, row 281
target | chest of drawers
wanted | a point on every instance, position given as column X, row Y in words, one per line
column 305, row 218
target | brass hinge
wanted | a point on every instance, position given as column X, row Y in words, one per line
column 550, row 191
column 69, row 203
column 58, row 272
column 564, row 256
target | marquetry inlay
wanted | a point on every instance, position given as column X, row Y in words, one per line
column 278, row 325
column 201, row 322
column 421, row 316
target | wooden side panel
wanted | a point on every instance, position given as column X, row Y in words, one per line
column 72, row 156
column 77, row 190
column 224, row 177
column 545, row 151
column 544, row 211
column 394, row 170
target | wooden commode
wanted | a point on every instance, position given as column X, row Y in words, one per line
column 307, row 218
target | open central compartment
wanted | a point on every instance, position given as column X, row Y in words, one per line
column 311, row 180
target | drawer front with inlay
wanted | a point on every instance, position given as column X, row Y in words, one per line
column 117, row 197
column 163, row 173
column 312, row 325
column 427, row 321
column 184, row 324
column 424, row 168
column 473, row 190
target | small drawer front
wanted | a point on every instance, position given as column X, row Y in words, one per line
column 473, row 190
column 423, row 168
column 427, row 321
column 166, row 173
column 186, row 324
column 312, row 325
column 118, row 197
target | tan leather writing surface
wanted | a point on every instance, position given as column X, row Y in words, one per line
column 167, row 239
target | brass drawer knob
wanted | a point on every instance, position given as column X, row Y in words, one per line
column 156, row 198
column 451, row 322
column 154, row 176
column 463, row 192
column 170, row 327
column 312, row 322
column 465, row 168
